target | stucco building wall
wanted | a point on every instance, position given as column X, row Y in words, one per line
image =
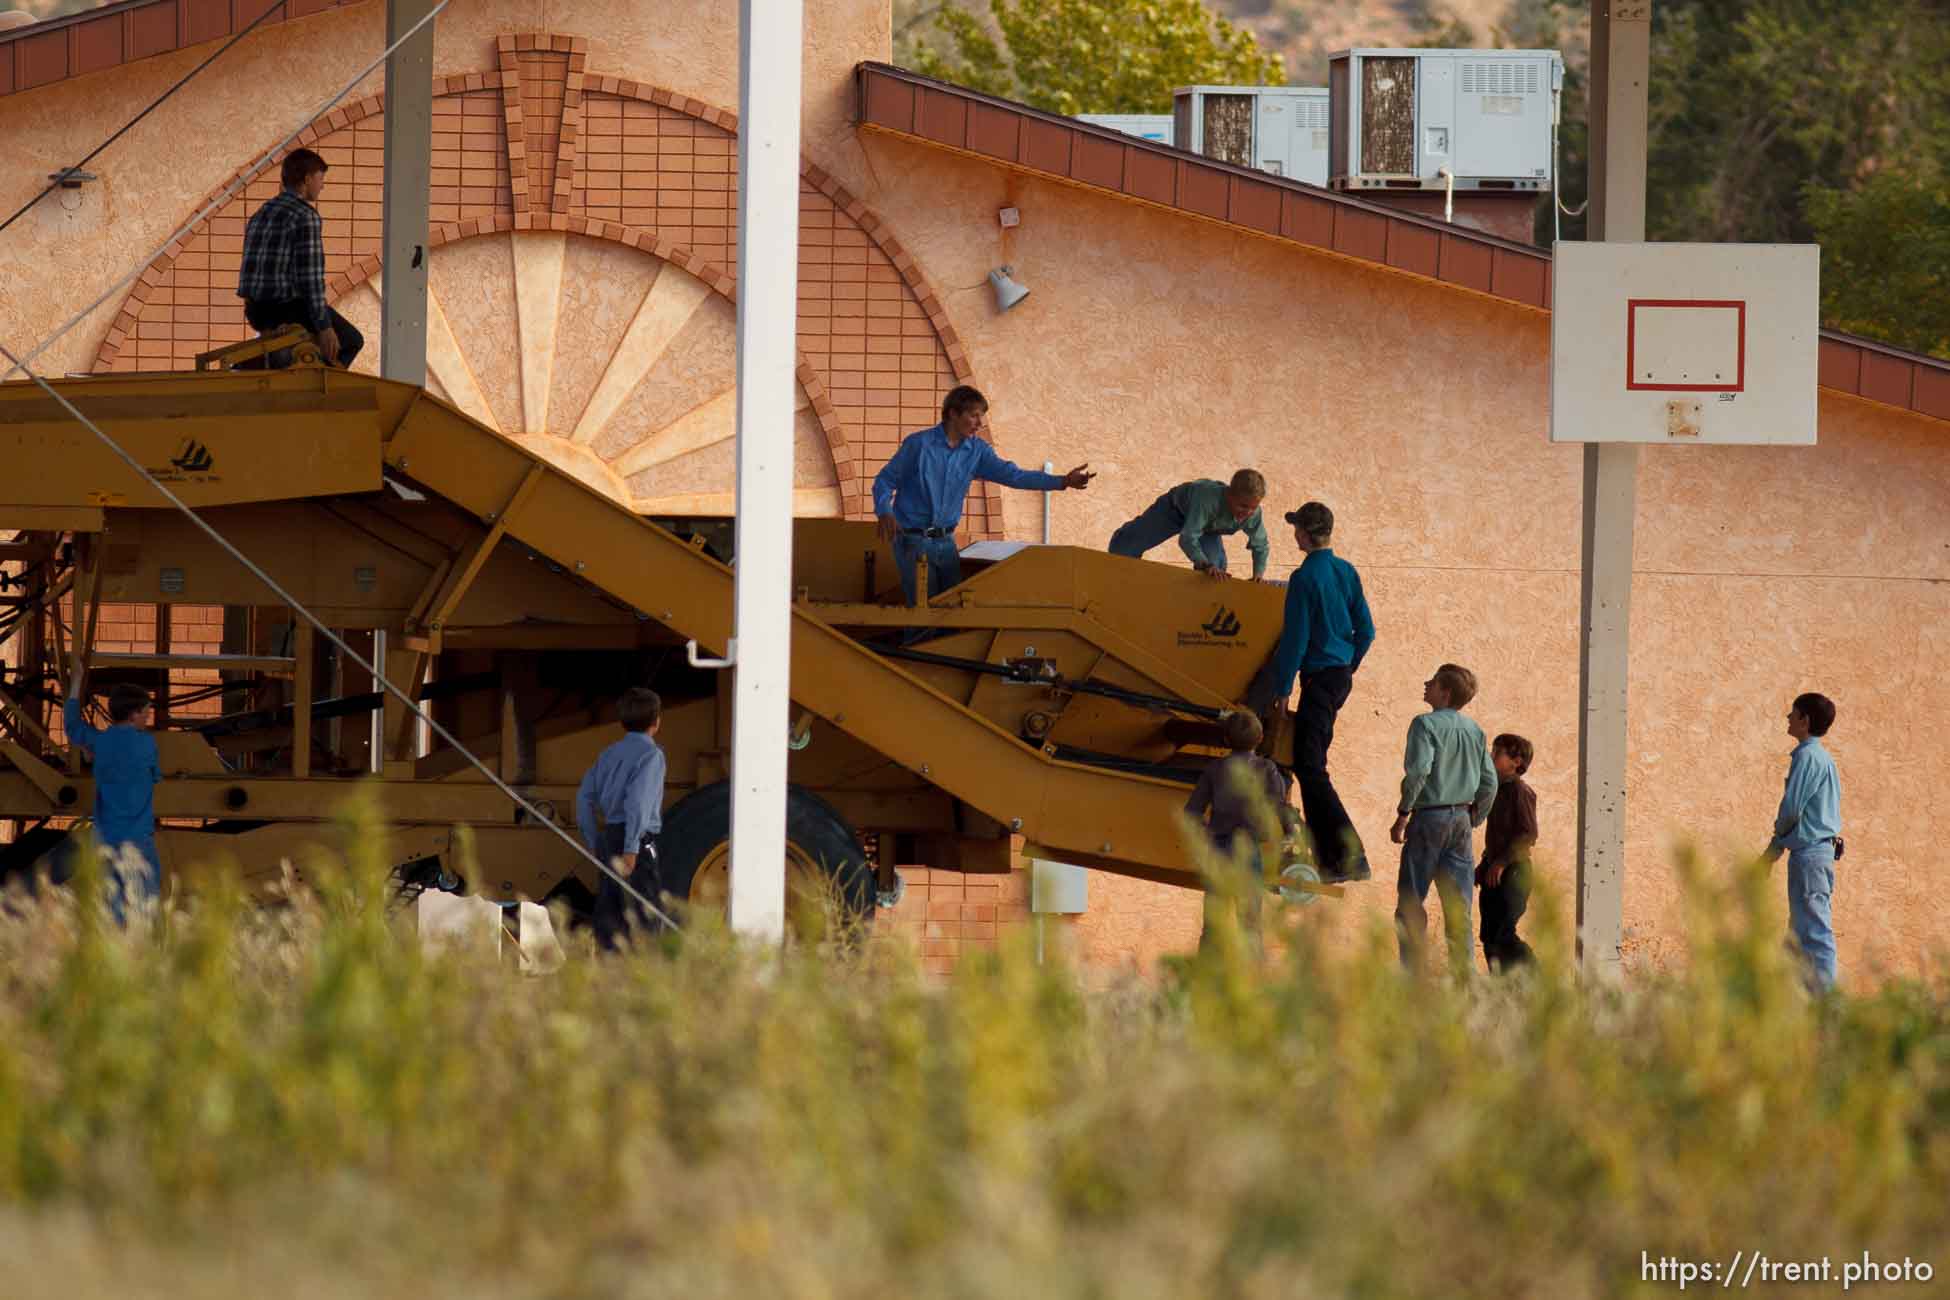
column 1159, row 348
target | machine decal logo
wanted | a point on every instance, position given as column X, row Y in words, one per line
column 1223, row 623
column 194, row 458
column 1222, row 629
column 192, row 463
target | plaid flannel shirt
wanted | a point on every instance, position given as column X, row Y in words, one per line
column 284, row 257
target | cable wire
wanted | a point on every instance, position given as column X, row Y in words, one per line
column 21, row 364
column 61, row 177
column 286, row 598
column 24, row 365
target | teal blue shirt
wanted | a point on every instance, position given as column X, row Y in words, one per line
column 1327, row 620
column 1811, row 806
column 1448, row 762
column 1208, row 513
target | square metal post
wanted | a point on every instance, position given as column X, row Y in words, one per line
column 1620, row 66
column 770, row 51
column 409, row 152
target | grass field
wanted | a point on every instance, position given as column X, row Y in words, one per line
column 238, row 1101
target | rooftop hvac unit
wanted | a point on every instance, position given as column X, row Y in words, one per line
column 1277, row 129
column 1155, row 127
column 1403, row 117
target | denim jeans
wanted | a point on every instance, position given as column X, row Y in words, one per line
column 1161, row 522
column 1810, row 884
column 140, row 885
column 944, row 563
column 1439, row 850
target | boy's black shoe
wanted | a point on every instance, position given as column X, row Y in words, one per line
column 1347, row 875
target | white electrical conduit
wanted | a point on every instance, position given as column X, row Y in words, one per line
column 23, row 365
column 1558, row 210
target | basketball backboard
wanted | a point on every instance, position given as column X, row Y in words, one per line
column 1684, row 343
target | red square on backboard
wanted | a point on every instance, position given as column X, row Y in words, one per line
column 1717, row 318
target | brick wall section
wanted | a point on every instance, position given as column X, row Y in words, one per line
column 947, row 913
column 470, row 157
column 186, row 301
column 540, row 138
column 543, row 78
column 660, row 169
column 130, row 628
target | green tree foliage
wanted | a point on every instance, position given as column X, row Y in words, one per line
column 1753, row 100
column 1885, row 258
column 1782, row 121
column 1093, row 56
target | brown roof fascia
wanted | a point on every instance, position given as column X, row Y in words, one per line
column 1015, row 135
column 999, row 131
column 94, row 40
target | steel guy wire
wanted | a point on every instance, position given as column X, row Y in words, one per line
column 23, row 365
column 61, row 178
column 244, row 178
column 297, row 607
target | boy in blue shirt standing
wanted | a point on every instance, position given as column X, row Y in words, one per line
column 127, row 768
column 620, row 812
column 1808, row 827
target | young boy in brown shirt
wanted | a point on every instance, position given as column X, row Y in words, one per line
column 1505, row 870
column 1243, row 793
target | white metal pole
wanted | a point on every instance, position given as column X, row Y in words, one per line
column 768, row 290
column 1620, row 66
column 409, row 145
column 1049, row 467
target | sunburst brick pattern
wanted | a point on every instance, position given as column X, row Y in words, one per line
column 539, row 146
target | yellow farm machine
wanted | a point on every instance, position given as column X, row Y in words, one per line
column 1058, row 702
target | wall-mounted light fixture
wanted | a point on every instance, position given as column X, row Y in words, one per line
column 1008, row 291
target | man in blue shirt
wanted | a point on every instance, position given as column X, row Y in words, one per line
column 1326, row 634
column 1809, row 827
column 127, row 769
column 620, row 811
column 918, row 495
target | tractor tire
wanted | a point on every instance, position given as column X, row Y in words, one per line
column 697, row 833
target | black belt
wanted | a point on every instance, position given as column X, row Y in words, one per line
column 1442, row 807
column 933, row 533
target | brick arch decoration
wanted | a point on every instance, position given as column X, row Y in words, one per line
column 540, row 144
